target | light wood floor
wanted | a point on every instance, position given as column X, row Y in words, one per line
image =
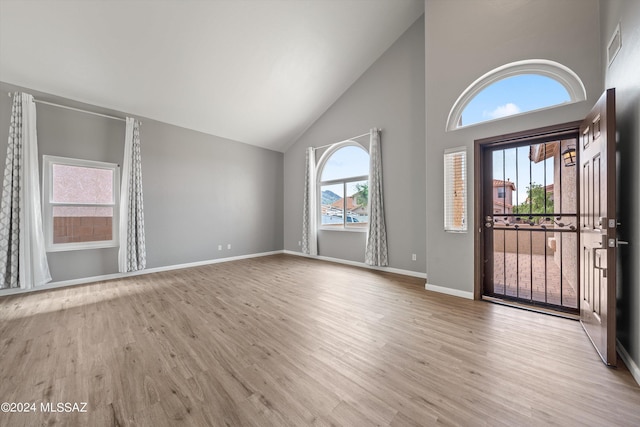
column 284, row 340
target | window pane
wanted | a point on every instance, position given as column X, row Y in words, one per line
column 75, row 184
column 514, row 95
column 332, row 204
column 346, row 162
column 82, row 224
column 356, row 203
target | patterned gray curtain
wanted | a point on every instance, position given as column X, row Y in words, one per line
column 376, row 249
column 309, row 212
column 23, row 259
column 132, row 255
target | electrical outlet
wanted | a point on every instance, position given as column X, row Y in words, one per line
column 219, row 247
column 229, row 246
column 413, row 257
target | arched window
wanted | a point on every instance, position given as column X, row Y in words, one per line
column 343, row 174
column 516, row 88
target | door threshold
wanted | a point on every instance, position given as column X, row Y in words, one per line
column 542, row 310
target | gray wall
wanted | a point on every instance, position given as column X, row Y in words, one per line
column 390, row 95
column 464, row 40
column 200, row 191
column 624, row 75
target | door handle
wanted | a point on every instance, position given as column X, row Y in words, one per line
column 595, row 262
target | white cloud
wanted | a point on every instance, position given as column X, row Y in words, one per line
column 502, row 111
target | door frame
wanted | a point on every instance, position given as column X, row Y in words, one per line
column 531, row 136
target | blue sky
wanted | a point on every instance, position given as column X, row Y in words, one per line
column 522, row 171
column 346, row 162
column 513, row 95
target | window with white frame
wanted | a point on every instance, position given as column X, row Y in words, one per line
column 80, row 203
column 455, row 189
column 516, row 88
column 344, row 187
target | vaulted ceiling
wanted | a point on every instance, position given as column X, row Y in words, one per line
column 254, row 71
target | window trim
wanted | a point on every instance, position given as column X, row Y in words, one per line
column 48, row 204
column 344, row 181
column 542, row 67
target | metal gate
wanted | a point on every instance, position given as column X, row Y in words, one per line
column 530, row 220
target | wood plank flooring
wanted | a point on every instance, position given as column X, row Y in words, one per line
column 285, row 340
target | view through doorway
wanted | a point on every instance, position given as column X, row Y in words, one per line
column 529, row 204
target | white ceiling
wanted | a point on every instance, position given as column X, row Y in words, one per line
column 254, row 71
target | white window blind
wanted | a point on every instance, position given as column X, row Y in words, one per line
column 455, row 189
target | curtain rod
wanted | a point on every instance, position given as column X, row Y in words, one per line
column 348, row 139
column 77, row 109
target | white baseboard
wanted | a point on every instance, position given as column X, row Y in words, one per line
column 449, row 291
column 429, row 287
column 93, row 279
column 360, row 264
column 631, row 365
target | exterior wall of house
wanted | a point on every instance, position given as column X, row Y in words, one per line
column 523, row 244
column 72, row 229
column 623, row 75
column 389, row 95
column 502, row 205
column 508, row 194
column 200, row 191
column 463, row 41
column 564, row 197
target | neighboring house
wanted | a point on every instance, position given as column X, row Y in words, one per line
column 503, row 196
column 330, row 210
column 352, row 206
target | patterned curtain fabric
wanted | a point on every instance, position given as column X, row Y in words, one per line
column 23, row 258
column 309, row 214
column 132, row 255
column 376, row 249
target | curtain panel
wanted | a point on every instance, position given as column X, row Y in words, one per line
column 23, row 258
column 309, row 210
column 132, row 255
column 376, row 248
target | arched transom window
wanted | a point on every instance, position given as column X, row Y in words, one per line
column 516, row 88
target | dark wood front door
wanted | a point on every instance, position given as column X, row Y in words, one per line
column 597, row 156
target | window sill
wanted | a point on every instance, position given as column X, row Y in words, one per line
column 64, row 247
column 347, row 229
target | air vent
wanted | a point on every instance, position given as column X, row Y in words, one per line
column 614, row 45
